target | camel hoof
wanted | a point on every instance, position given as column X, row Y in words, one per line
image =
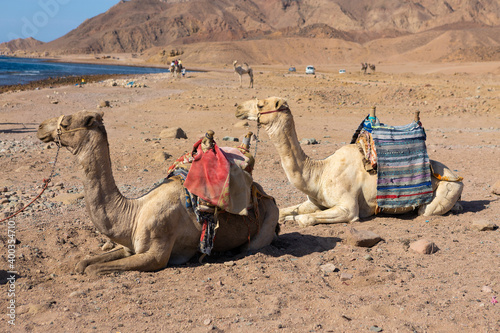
column 80, row 267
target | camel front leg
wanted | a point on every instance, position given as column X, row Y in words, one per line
column 337, row 214
column 115, row 254
column 446, row 196
column 155, row 258
column 306, row 207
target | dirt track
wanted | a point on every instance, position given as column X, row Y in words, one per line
column 283, row 287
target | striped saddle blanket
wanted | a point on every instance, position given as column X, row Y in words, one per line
column 402, row 163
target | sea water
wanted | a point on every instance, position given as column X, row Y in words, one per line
column 15, row 70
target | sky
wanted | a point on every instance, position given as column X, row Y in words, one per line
column 46, row 20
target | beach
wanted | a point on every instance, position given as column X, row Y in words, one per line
column 284, row 287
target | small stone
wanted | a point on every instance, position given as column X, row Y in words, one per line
column 496, row 188
column 229, row 263
column 311, row 141
column 375, row 328
column 483, row 225
column 207, row 322
column 230, row 138
column 345, row 276
column 161, row 156
column 486, row 289
column 328, row 268
column 68, row 198
column 104, row 104
column 368, row 257
column 362, row 238
column 423, row 246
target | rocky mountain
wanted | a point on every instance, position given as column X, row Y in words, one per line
column 140, row 25
column 19, row 44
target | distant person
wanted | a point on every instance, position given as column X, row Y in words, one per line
column 183, row 72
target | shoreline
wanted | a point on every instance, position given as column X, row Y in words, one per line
column 58, row 81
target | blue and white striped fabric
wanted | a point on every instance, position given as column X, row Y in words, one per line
column 403, row 166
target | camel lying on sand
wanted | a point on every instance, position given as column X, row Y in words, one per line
column 339, row 189
column 157, row 228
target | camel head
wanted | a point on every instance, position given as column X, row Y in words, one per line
column 70, row 130
column 235, row 62
column 265, row 111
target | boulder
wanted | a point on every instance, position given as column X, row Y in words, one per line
column 362, row 238
column 173, row 133
column 424, row 246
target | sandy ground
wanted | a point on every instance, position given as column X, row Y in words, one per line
column 283, row 287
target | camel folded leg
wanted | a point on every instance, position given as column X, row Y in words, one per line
column 112, row 255
column 337, row 214
column 155, row 258
column 445, row 197
column 306, row 207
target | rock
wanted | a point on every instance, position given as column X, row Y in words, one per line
column 173, row 133
column 161, row 156
column 368, row 257
column 423, row 246
column 230, row 138
column 375, row 328
column 104, row 104
column 483, row 225
column 241, row 124
column 68, row 198
column 362, row 238
column 328, row 268
column 496, row 188
column 54, row 101
column 486, row 289
column 311, row 141
column 345, row 276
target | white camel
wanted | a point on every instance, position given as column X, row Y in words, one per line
column 241, row 71
column 157, row 228
column 338, row 188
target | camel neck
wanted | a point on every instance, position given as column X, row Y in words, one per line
column 297, row 165
column 105, row 204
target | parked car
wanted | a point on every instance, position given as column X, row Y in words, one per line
column 292, row 69
column 310, row 70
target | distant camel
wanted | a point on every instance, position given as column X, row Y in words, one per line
column 240, row 70
column 372, row 67
column 364, row 67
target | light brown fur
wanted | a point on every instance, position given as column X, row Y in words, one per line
column 338, row 188
column 157, row 228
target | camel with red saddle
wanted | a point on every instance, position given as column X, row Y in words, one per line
column 156, row 229
column 338, row 188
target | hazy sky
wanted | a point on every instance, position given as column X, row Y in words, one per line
column 46, row 20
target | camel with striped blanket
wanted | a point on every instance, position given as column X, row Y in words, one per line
column 339, row 189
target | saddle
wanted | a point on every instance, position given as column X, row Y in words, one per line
column 216, row 179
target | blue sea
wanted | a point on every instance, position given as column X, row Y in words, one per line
column 24, row 70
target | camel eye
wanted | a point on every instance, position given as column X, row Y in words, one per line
column 277, row 105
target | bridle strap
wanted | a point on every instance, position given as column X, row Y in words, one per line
column 60, row 129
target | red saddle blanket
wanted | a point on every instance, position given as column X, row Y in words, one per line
column 215, row 177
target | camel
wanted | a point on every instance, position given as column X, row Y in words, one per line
column 338, row 188
column 241, row 71
column 156, row 229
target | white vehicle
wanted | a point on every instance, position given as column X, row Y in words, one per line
column 310, row 70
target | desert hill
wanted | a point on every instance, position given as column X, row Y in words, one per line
column 377, row 30
column 19, row 44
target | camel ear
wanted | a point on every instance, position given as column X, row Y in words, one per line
column 90, row 120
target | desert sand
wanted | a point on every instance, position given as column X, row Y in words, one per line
column 288, row 286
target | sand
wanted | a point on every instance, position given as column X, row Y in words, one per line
column 285, row 287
